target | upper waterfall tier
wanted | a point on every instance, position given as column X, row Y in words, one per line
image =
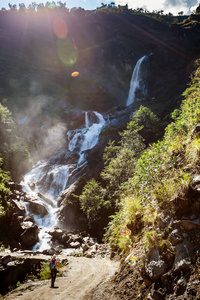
column 136, row 82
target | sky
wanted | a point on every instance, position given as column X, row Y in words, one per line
column 173, row 6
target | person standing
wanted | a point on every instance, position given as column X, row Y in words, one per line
column 53, row 267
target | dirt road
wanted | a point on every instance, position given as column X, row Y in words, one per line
column 81, row 276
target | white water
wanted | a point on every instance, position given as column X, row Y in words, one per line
column 88, row 137
column 135, row 81
column 50, row 177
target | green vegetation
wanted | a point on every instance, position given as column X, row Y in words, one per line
column 162, row 172
column 4, row 190
column 100, row 199
column 45, row 273
column 14, row 151
column 14, row 156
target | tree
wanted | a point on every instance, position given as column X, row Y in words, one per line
column 180, row 13
column 22, row 7
column 92, row 201
column 32, row 7
column 61, row 5
column 13, row 149
column 12, row 7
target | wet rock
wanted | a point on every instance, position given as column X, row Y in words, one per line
column 15, row 186
column 19, row 207
column 57, row 235
column 75, row 245
column 31, row 185
column 30, row 235
column 37, row 207
column 15, row 226
column 45, row 199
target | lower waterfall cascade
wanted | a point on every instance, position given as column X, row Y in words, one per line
column 50, row 177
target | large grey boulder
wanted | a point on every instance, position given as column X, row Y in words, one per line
column 183, row 256
column 19, row 206
column 29, row 237
column 155, row 267
column 37, row 207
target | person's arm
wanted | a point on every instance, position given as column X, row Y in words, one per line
column 56, row 264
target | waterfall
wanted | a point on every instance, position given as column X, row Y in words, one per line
column 50, row 177
column 136, row 81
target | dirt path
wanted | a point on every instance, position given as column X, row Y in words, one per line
column 81, row 276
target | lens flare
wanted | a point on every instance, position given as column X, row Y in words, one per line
column 133, row 258
column 67, row 51
column 60, row 28
column 75, row 74
column 52, row 5
column 127, row 235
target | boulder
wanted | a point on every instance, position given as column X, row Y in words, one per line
column 37, row 207
column 155, row 267
column 15, row 226
column 75, row 245
column 175, row 237
column 187, row 224
column 30, row 235
column 31, row 185
column 45, row 199
column 183, row 256
column 57, row 235
column 19, row 206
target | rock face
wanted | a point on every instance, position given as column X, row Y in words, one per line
column 18, row 231
column 15, row 268
column 170, row 268
column 29, row 236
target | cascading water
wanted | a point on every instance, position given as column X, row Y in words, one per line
column 51, row 177
column 136, row 81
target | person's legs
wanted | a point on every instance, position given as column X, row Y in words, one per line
column 53, row 277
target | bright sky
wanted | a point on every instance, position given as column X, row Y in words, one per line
column 173, row 6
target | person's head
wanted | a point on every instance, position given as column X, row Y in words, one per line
column 54, row 256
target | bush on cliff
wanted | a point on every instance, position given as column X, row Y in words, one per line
column 101, row 199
